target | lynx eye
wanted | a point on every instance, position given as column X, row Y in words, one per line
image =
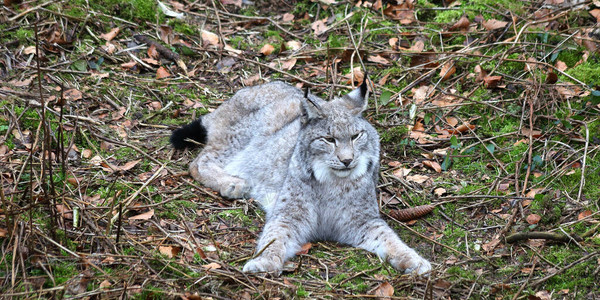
column 329, row 140
column 356, row 136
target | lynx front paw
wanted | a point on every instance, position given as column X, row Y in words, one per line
column 235, row 189
column 420, row 266
column 262, row 264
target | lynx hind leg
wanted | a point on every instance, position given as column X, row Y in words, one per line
column 214, row 177
column 380, row 239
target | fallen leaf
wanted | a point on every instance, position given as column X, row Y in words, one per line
column 503, row 187
column 128, row 65
column 319, row 27
column 293, row 45
column 29, row 50
column 561, row 66
column 595, row 13
column 393, row 43
column 491, row 245
column 491, row 82
column 162, row 73
column 533, row 192
column 212, row 266
column 151, row 61
column 433, row 165
column 439, row 191
column 378, row 59
column 534, row 133
column 114, row 168
column 143, row 216
column 418, row 46
column 287, row 65
column 480, row 72
column 404, row 12
column 543, row 295
column 72, row 95
column 417, row 178
column 492, row 24
column 384, row 291
column 533, row 219
column 267, row 49
column 402, row 172
column 287, row 17
column 169, row 12
column 304, row 249
column 209, row 38
column 462, row 128
column 64, row 211
column 462, row 24
column 447, row 70
column 584, row 214
column 169, row 251
column 105, row 284
column 421, row 93
column 109, row 36
column 452, row 121
column 252, row 80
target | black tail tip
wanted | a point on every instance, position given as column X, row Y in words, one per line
column 193, row 131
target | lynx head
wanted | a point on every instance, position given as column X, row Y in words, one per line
column 336, row 141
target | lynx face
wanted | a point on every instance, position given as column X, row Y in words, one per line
column 341, row 144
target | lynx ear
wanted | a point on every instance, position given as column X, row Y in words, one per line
column 358, row 99
column 311, row 107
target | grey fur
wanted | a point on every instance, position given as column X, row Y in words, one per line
column 313, row 167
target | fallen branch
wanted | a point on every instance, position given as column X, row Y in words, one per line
column 553, row 236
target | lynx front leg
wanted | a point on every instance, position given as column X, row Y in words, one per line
column 277, row 243
column 380, row 239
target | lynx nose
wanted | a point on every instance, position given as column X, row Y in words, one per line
column 347, row 161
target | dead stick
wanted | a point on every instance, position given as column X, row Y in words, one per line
column 554, row 236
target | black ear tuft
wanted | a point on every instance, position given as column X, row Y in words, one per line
column 364, row 87
column 194, row 131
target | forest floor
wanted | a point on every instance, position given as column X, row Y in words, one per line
column 488, row 110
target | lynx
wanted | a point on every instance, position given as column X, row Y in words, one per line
column 311, row 164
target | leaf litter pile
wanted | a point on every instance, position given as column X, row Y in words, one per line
column 488, row 113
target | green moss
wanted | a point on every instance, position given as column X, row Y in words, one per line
column 182, row 27
column 588, row 72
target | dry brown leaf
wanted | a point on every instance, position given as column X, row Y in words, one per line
column 480, row 72
column 503, row 187
column 491, row 82
column 462, row 24
column 447, row 70
column 209, row 38
column 404, row 12
column 439, row 191
column 420, row 94
column 267, row 49
column 86, row 153
column 73, row 95
column 287, row 17
column 492, row 24
column 561, row 66
column 29, row 50
column 378, row 59
column 384, row 291
column 584, row 214
column 64, row 211
column 462, row 128
column 293, row 45
column 109, row 36
column 169, row 251
column 162, row 73
column 143, row 216
column 114, row 168
column 534, row 133
column 418, row 46
column 105, row 284
column 252, row 80
column 393, row 43
column 596, row 13
column 402, row 172
column 533, row 219
column 433, row 165
column 128, row 65
column 319, row 26
column 452, row 121
column 417, row 178
column 287, row 65
column 304, row 249
column 533, row 192
column 151, row 61
column 237, row 3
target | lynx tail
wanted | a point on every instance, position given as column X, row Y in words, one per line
column 180, row 138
